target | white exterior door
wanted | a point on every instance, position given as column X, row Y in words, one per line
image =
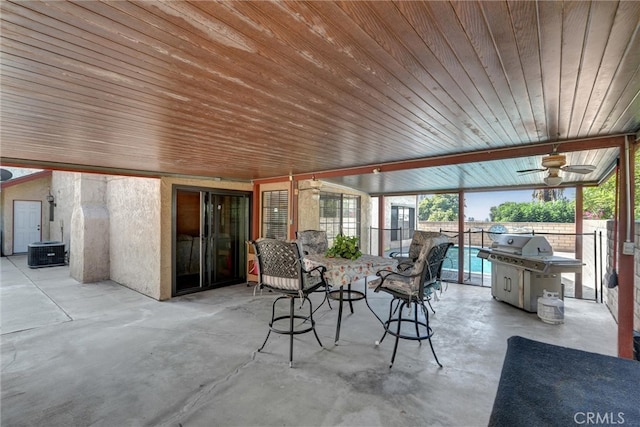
column 26, row 224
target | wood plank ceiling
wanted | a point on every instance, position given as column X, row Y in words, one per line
column 254, row 90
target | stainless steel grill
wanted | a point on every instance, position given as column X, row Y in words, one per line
column 523, row 266
column 529, row 252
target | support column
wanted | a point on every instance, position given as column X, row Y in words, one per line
column 579, row 239
column 625, row 259
column 381, row 221
column 89, row 251
column 293, row 212
column 461, row 236
column 256, row 210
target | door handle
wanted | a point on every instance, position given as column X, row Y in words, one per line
column 38, row 228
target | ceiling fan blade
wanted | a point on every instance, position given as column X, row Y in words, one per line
column 530, row 170
column 5, row 175
column 579, row 168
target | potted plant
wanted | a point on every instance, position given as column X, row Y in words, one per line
column 344, row 247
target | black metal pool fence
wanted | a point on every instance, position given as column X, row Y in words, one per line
column 586, row 285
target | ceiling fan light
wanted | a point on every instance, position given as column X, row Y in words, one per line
column 554, row 161
column 553, row 181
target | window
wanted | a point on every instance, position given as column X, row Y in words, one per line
column 275, row 211
column 339, row 213
column 402, row 217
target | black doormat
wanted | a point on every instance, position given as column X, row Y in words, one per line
column 548, row 385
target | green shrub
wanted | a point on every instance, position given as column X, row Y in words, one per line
column 344, row 247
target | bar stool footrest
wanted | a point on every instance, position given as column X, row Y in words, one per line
column 347, row 295
column 295, row 331
column 393, row 330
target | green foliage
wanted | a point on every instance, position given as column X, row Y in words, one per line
column 344, row 247
column 557, row 211
column 599, row 202
column 441, row 207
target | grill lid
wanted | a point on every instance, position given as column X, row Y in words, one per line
column 522, row 245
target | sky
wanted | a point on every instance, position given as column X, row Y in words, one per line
column 479, row 204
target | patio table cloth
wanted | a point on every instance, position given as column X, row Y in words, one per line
column 341, row 271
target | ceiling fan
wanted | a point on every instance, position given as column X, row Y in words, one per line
column 554, row 163
column 5, row 175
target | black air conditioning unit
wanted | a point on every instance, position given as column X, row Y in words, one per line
column 45, row 254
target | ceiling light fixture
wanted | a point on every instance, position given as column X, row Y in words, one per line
column 553, row 181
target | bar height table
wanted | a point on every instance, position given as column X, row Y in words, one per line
column 343, row 271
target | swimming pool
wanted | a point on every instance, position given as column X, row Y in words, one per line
column 470, row 256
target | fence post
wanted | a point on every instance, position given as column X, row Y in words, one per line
column 601, row 270
column 595, row 264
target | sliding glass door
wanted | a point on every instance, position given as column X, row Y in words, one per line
column 210, row 230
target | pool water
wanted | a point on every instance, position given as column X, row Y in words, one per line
column 470, row 255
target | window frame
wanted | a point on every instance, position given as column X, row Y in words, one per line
column 346, row 206
column 274, row 224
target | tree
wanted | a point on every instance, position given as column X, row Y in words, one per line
column 551, row 205
column 556, row 211
column 599, row 202
column 441, row 207
column 548, row 194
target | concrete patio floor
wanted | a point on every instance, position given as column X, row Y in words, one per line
column 103, row 355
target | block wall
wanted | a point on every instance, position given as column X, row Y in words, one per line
column 611, row 295
column 559, row 243
column 636, row 281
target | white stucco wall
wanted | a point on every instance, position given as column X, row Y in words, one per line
column 407, row 201
column 89, row 230
column 135, row 233
column 308, row 206
column 119, row 227
column 34, row 190
column 63, row 187
column 309, row 209
column 611, row 295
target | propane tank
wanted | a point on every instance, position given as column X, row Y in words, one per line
column 550, row 308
